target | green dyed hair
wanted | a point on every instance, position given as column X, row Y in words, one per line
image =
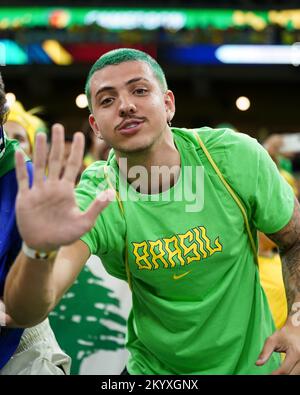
column 121, row 55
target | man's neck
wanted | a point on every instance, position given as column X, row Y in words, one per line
column 163, row 158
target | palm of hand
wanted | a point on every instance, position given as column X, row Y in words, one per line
column 47, row 214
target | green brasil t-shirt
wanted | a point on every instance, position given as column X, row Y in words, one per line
column 198, row 306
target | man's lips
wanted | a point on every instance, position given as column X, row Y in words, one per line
column 130, row 126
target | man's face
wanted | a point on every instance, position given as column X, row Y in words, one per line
column 16, row 131
column 130, row 111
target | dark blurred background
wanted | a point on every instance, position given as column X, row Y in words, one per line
column 47, row 48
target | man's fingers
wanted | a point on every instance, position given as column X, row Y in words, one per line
column 57, row 151
column 287, row 365
column 98, row 205
column 21, row 171
column 40, row 158
column 74, row 162
column 269, row 347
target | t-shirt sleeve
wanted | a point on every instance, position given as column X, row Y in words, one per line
column 268, row 197
column 86, row 192
column 107, row 237
column 273, row 201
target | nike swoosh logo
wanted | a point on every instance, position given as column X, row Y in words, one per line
column 178, row 276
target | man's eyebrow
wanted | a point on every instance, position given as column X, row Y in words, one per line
column 104, row 88
column 137, row 79
column 111, row 88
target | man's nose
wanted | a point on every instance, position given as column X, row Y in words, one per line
column 126, row 108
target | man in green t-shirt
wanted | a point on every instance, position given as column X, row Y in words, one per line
column 176, row 231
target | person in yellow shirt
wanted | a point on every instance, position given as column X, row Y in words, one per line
column 270, row 271
column 270, row 267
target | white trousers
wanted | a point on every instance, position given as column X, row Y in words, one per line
column 38, row 354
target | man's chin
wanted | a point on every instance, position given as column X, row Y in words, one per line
column 134, row 148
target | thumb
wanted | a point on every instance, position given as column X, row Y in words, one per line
column 268, row 348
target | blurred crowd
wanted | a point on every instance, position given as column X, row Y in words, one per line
column 271, row 34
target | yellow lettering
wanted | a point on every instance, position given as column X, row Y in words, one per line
column 141, row 260
column 218, row 244
column 207, row 242
column 201, row 245
column 172, row 253
column 182, row 249
column 159, row 255
column 186, row 250
column 206, row 239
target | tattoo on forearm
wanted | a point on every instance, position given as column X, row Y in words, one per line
column 288, row 241
column 291, row 274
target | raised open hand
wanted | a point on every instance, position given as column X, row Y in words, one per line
column 47, row 214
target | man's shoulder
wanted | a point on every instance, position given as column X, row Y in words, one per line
column 94, row 167
column 218, row 139
column 94, row 177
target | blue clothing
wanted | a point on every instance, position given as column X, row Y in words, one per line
column 10, row 244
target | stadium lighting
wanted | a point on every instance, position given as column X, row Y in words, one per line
column 243, row 103
column 81, row 101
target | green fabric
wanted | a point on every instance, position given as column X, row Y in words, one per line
column 215, row 319
column 285, row 164
column 7, row 161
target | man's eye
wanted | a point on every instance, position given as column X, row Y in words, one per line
column 106, row 101
column 140, row 91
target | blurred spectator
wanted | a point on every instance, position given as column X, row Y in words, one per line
column 273, row 144
column 68, row 144
column 95, row 148
column 270, row 267
column 270, row 272
column 22, row 125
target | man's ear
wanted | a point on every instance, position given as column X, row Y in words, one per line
column 170, row 105
column 94, row 126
